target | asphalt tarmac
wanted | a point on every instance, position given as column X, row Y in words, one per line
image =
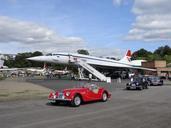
column 126, row 109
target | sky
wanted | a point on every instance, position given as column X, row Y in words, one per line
column 103, row 27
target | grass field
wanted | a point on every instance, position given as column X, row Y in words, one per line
column 15, row 90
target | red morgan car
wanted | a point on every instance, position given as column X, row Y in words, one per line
column 88, row 92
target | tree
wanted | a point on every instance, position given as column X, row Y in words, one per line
column 9, row 63
column 162, row 51
column 37, row 53
column 83, row 51
column 34, row 63
column 21, row 61
column 141, row 54
column 167, row 58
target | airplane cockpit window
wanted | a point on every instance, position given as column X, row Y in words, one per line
column 57, row 55
column 49, row 54
column 112, row 58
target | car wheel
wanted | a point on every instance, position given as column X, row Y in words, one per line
column 76, row 101
column 127, row 88
column 57, row 102
column 140, row 88
column 162, row 84
column 54, row 102
column 104, row 97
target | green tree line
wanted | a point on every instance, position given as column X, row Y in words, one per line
column 161, row 53
column 21, row 61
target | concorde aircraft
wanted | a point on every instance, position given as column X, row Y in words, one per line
column 87, row 61
column 70, row 58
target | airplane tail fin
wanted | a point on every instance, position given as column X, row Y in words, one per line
column 127, row 57
column 128, row 54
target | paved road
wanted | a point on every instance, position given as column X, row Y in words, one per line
column 61, row 84
column 135, row 109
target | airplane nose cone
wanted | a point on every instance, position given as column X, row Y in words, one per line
column 37, row 58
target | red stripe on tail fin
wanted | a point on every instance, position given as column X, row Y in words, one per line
column 128, row 54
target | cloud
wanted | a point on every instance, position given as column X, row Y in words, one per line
column 117, row 2
column 151, row 6
column 34, row 36
column 25, row 37
column 111, row 52
column 153, row 21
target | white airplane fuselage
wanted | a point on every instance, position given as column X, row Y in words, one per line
column 67, row 58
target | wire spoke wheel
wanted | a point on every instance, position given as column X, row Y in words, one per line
column 104, row 97
column 76, row 101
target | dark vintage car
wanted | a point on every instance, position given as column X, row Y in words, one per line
column 137, row 83
column 154, row 80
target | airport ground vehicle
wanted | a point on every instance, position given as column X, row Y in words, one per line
column 154, row 80
column 86, row 93
column 137, row 83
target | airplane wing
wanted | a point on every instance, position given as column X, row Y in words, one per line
column 12, row 69
column 142, row 68
column 8, row 69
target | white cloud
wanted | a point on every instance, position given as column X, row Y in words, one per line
column 33, row 36
column 25, row 37
column 112, row 52
column 151, row 6
column 117, row 2
column 153, row 21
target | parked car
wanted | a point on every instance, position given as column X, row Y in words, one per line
column 154, row 80
column 137, row 83
column 86, row 93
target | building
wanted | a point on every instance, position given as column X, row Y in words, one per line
column 160, row 66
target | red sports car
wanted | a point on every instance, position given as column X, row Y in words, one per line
column 86, row 93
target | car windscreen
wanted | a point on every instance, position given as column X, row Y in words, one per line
column 137, row 79
column 88, row 85
column 154, row 78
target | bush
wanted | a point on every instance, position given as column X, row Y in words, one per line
column 2, row 77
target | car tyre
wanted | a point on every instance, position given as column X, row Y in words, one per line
column 76, row 102
column 104, row 97
column 57, row 102
column 140, row 88
column 127, row 88
column 54, row 102
column 162, row 83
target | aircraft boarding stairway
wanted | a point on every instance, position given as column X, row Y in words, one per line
column 92, row 70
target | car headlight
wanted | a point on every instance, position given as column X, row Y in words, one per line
column 67, row 93
column 54, row 96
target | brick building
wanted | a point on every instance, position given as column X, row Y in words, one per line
column 160, row 66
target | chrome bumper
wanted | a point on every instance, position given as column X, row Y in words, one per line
column 59, row 99
column 133, row 87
